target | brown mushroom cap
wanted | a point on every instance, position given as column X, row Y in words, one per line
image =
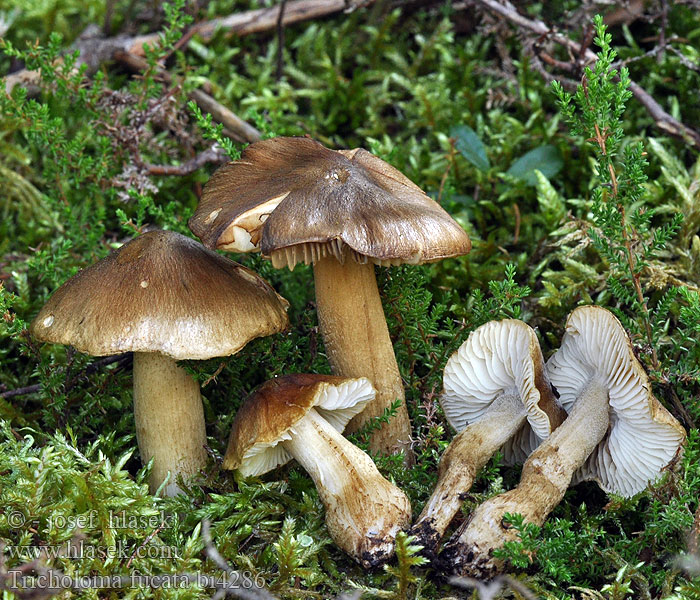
column 266, row 416
column 296, row 200
column 162, row 292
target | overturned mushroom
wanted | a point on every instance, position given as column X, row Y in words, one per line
column 496, row 394
column 343, row 211
column 166, row 298
column 302, row 417
column 616, row 433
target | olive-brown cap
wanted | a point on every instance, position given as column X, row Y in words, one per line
column 162, row 292
column 296, row 200
column 268, row 415
column 501, row 357
column 643, row 437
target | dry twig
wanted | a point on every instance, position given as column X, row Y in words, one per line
column 96, row 50
column 280, row 39
column 213, row 154
column 234, row 126
column 122, row 359
column 663, row 120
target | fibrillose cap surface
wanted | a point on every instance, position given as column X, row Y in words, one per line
column 500, row 357
column 643, row 437
column 296, row 200
column 267, row 417
column 162, row 292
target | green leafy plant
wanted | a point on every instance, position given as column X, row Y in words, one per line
column 407, row 557
column 545, row 159
column 622, row 231
column 214, row 132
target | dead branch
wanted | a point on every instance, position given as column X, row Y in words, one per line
column 234, row 126
column 213, row 154
column 96, row 50
column 265, row 19
column 688, row 64
column 23, row 391
column 663, row 120
column 122, row 359
column 233, row 123
column 280, row 39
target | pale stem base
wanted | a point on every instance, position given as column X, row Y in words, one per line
column 364, row 511
column 169, row 419
column 469, row 451
column 546, row 476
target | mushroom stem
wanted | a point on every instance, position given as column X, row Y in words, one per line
column 469, row 451
column 352, row 323
column 169, row 419
column 364, row 511
column 546, row 476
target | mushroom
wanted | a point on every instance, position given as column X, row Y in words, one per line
column 496, row 394
column 166, row 298
column 616, row 433
column 344, row 211
column 302, row 416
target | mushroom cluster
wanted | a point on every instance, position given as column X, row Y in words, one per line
column 616, row 433
column 166, row 298
column 342, row 211
column 497, row 395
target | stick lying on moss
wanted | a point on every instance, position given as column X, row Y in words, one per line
column 663, row 120
column 95, row 50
